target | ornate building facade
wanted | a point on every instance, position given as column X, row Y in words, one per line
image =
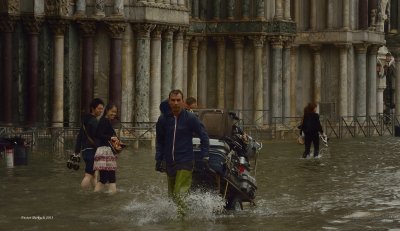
column 264, row 58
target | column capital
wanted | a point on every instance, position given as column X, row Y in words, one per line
column 343, row 45
column 361, row 48
column 87, row 27
column 373, row 49
column 277, row 41
column 194, row 43
column 7, row 23
column 237, row 41
column 179, row 34
column 258, row 40
column 115, row 28
column 168, row 31
column 144, row 30
column 156, row 32
column 188, row 37
column 316, row 48
column 32, row 23
column 219, row 39
column 294, row 49
column 288, row 42
column 58, row 25
column 186, row 42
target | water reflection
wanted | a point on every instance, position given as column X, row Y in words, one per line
column 354, row 185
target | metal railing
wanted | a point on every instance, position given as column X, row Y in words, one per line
column 279, row 128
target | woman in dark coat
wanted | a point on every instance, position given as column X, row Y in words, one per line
column 105, row 160
column 311, row 127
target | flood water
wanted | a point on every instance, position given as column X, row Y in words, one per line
column 354, row 185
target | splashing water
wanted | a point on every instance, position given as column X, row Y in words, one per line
column 156, row 207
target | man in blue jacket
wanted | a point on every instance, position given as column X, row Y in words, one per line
column 174, row 133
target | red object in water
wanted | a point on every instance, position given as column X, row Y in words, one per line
column 241, row 169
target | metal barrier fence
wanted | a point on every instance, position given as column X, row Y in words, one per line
column 140, row 134
column 341, row 127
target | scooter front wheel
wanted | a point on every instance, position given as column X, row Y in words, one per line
column 235, row 204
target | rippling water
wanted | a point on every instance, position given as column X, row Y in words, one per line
column 354, row 185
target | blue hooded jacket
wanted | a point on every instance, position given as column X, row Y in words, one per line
column 174, row 137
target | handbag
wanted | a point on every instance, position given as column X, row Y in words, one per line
column 300, row 140
column 116, row 146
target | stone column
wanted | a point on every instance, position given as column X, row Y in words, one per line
column 220, row 71
column 260, row 9
column 286, row 79
column 80, row 8
column 329, row 15
column 185, row 64
column 32, row 25
column 267, row 70
column 99, row 8
column 116, row 30
column 7, row 24
column 238, row 88
column 342, row 97
column 398, row 16
column 142, row 97
column 287, row 10
column 397, row 81
column 195, row 9
column 192, row 80
column 58, row 27
column 346, row 15
column 278, row 9
column 88, row 29
column 293, row 82
column 174, row 2
column 230, row 10
column 258, row 43
column 245, row 9
column 361, row 81
column 181, row 2
column 276, row 81
column 217, row 9
column 190, row 8
column 177, row 81
column 118, row 8
column 202, row 75
column 363, row 14
column 394, row 17
column 166, row 62
column 316, row 49
column 372, row 82
column 381, row 85
column 372, row 10
column 313, row 15
column 155, row 74
column 203, row 9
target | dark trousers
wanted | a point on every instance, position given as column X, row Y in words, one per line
column 107, row 176
column 308, row 139
column 88, row 157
